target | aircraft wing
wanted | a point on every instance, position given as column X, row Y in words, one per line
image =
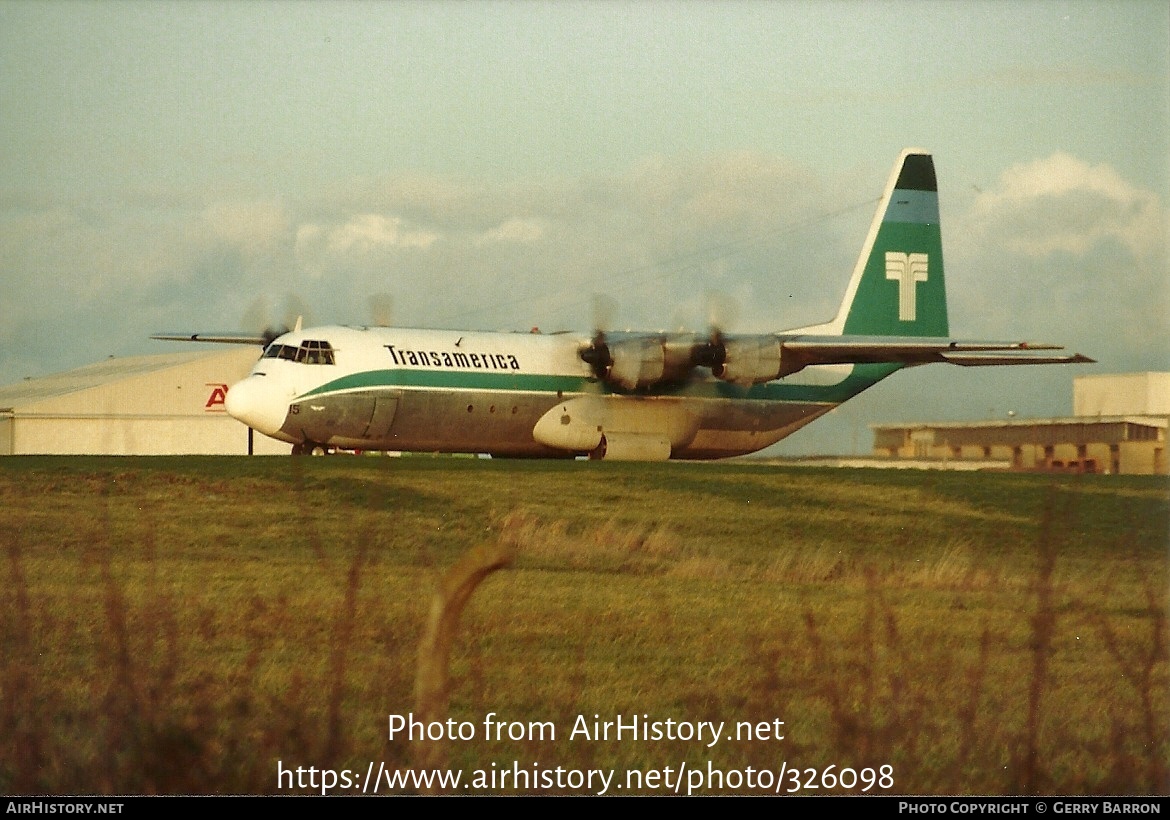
column 228, row 338
column 635, row 361
column 806, row 350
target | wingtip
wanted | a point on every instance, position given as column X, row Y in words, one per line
column 213, row 338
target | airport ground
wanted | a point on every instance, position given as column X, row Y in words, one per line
column 189, row 624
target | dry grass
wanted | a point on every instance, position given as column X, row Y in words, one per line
column 640, row 548
column 181, row 626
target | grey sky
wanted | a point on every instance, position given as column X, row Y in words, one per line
column 167, row 165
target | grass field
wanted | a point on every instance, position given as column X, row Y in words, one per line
column 183, row 624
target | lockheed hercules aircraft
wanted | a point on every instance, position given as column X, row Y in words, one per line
column 622, row 396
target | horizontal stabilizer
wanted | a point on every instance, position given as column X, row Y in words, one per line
column 802, row 351
column 977, row 360
column 216, row 338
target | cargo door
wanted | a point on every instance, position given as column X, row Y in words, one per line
column 385, row 406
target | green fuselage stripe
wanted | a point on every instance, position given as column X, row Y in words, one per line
column 863, row 376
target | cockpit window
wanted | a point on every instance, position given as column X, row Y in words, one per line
column 311, row 351
column 276, row 351
column 315, row 352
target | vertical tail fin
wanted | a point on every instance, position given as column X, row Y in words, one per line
column 897, row 288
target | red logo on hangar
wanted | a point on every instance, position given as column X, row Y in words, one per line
column 215, row 401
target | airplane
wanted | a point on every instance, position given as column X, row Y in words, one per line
column 626, row 396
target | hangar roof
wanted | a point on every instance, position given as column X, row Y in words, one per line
column 13, row 396
column 1148, row 421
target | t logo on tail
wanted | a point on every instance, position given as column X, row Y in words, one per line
column 907, row 268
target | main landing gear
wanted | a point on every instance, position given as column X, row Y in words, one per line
column 311, row 448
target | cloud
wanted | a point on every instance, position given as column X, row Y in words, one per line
column 370, row 232
column 1062, row 204
column 1065, row 251
column 254, row 227
column 514, row 231
column 740, row 190
column 363, row 241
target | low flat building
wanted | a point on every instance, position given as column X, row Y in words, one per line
column 1119, row 427
column 166, row 404
column 1108, row 444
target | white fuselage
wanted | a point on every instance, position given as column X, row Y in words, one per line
column 507, row 394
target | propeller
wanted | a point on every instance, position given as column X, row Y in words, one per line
column 603, row 308
column 632, row 361
column 712, row 353
column 258, row 317
column 722, row 312
column 742, row 360
column 597, row 355
column 381, row 310
column 638, row 361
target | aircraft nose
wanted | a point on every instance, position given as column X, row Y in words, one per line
column 256, row 405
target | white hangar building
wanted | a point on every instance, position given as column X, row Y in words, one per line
column 166, row 404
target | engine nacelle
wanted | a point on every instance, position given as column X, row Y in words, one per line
column 749, row 361
column 636, row 363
